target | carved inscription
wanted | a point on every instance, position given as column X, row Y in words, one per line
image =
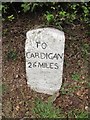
column 42, row 55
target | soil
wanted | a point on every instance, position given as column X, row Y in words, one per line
column 18, row 98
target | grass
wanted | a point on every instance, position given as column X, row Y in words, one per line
column 78, row 114
column 64, row 89
column 81, row 114
column 46, row 110
column 12, row 55
column 85, row 51
column 3, row 88
column 75, row 77
column 88, row 84
column 69, row 89
column 0, row 88
column 5, row 31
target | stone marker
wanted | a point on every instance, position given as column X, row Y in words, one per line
column 44, row 52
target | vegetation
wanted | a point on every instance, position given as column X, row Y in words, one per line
column 11, row 55
column 49, row 17
column 78, row 114
column 3, row 88
column 68, row 89
column 85, row 51
column 46, row 110
column 54, row 14
column 75, row 77
column 58, row 12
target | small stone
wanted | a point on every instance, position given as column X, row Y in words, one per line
column 17, row 108
column 86, row 107
column 78, row 93
column 16, row 76
column 83, row 77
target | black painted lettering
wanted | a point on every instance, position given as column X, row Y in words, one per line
column 34, row 64
column 46, row 55
column 56, row 66
column 50, row 55
column 51, row 65
column 55, row 56
column 40, row 65
column 42, row 55
column 37, row 55
column 44, row 45
column 47, row 65
column 30, row 64
column 28, row 54
column 32, row 55
column 59, row 55
column 37, row 44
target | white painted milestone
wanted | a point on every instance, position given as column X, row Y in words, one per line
column 44, row 53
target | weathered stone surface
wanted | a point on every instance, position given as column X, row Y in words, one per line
column 44, row 52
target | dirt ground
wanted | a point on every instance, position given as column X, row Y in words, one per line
column 18, row 98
